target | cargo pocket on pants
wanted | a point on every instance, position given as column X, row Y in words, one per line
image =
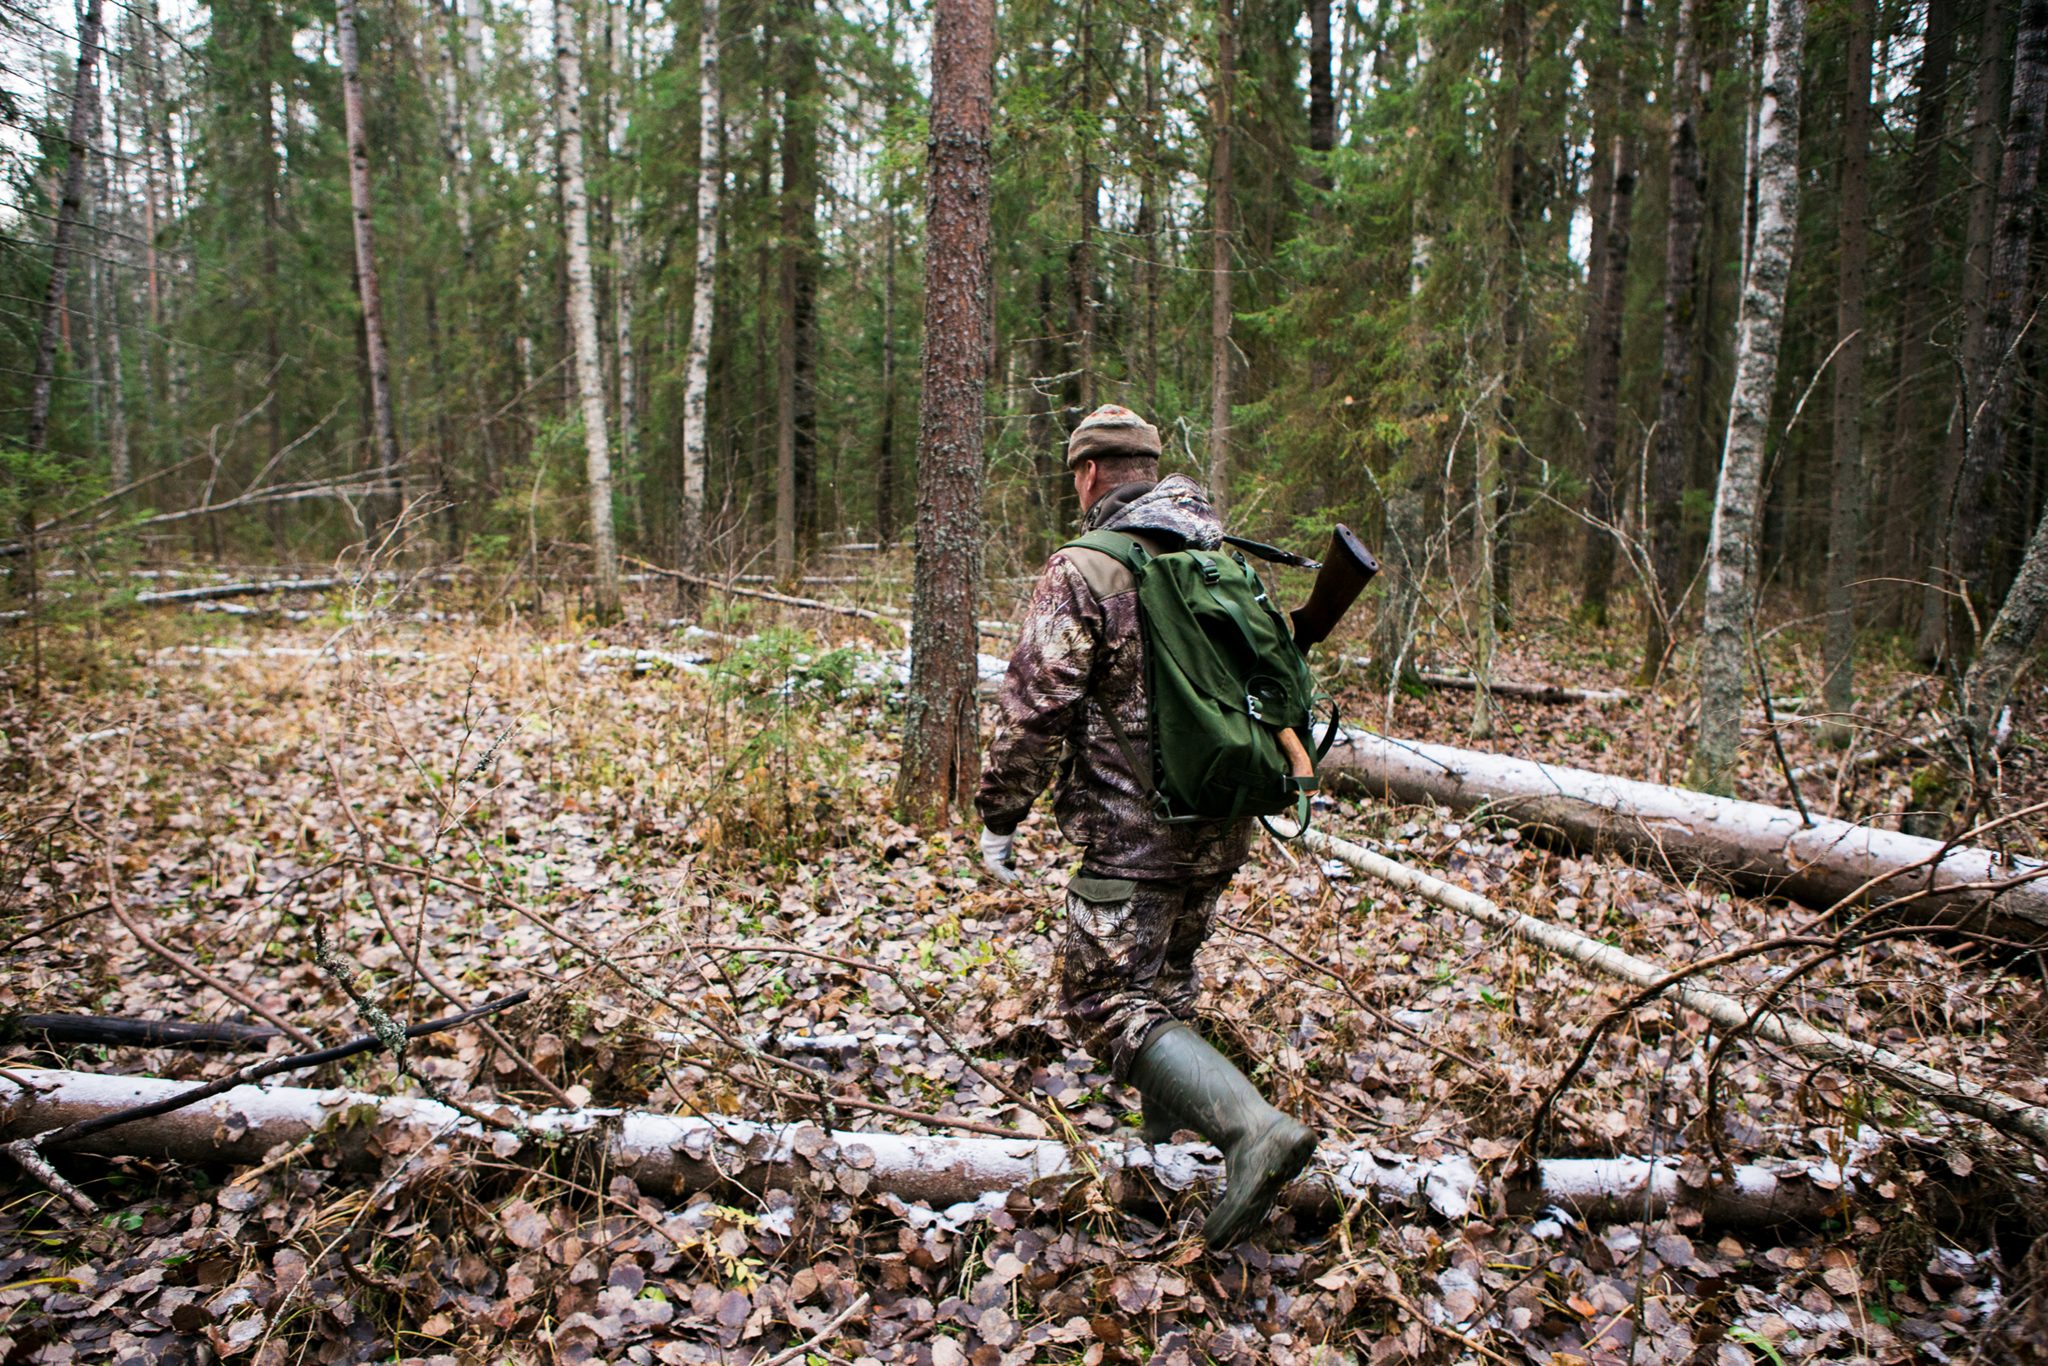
column 1100, row 907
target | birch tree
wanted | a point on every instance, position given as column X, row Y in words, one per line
column 1731, row 548
column 941, row 732
column 703, row 292
column 583, row 310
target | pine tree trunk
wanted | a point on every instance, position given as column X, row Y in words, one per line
column 583, row 312
column 70, row 206
column 703, row 294
column 1220, row 115
column 1939, row 606
column 1603, row 419
column 1731, row 549
column 1148, row 218
column 941, row 739
column 377, row 361
column 1674, row 393
column 1848, row 497
column 1912, row 461
column 796, row 432
column 1088, row 201
column 885, row 438
column 1322, row 101
column 2008, row 309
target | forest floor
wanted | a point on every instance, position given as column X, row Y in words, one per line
column 664, row 795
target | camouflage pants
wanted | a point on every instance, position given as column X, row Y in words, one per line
column 1128, row 964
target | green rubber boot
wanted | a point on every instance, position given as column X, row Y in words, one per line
column 1185, row 1081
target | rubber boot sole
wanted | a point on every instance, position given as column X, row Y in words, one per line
column 1278, row 1155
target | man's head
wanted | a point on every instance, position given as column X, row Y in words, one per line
column 1111, row 446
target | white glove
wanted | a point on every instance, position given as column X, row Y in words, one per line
column 995, row 855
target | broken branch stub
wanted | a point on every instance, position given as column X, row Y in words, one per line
column 669, row 1154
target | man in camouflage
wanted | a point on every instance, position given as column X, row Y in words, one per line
column 1074, row 716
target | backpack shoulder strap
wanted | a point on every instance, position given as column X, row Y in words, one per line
column 1127, row 555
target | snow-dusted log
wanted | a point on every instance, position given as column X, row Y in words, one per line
column 668, row 1154
column 1552, row 693
column 1762, row 848
column 2007, row 1113
column 218, row 591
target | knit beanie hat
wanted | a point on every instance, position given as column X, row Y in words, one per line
column 1112, row 432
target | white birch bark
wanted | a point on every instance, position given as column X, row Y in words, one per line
column 625, row 221
column 1731, row 549
column 1763, row 849
column 583, row 309
column 703, row 294
column 670, row 1154
column 2007, row 1113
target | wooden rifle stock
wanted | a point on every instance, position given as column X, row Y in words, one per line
column 1346, row 570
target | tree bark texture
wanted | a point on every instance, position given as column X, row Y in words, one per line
column 796, row 399
column 2005, row 1112
column 1913, row 457
column 1089, row 204
column 703, row 295
column 1732, row 546
column 668, row 1155
column 2008, row 306
column 625, row 164
column 941, row 739
column 1765, row 850
column 1848, row 495
column 376, row 358
column 1603, row 344
column 1322, row 99
column 70, row 206
column 1940, row 608
column 1673, row 447
column 2007, row 643
column 1220, row 115
column 597, row 454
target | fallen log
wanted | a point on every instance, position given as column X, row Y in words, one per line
column 1762, row 849
column 118, row 1032
column 2006, row 1113
column 1880, row 754
column 215, row 592
column 1551, row 693
column 764, row 595
column 670, row 1154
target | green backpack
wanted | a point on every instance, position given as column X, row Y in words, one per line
column 1224, row 678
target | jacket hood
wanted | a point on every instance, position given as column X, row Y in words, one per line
column 1175, row 509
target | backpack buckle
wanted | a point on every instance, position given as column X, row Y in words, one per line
column 1211, row 575
column 1254, row 707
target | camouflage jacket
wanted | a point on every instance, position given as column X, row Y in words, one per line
column 1080, row 660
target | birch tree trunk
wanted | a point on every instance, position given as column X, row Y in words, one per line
column 583, row 311
column 377, row 361
column 1731, row 549
column 671, row 1154
column 107, row 323
column 1766, row 850
column 1673, row 446
column 1939, row 606
column 941, row 732
column 625, row 75
column 2008, row 308
column 1220, row 114
column 703, row 294
column 1604, row 343
column 1848, row 498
